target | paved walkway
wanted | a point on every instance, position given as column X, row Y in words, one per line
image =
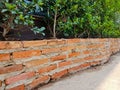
column 106, row 77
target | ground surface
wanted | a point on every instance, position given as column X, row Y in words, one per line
column 105, row 77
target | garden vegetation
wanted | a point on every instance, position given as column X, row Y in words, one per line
column 63, row 18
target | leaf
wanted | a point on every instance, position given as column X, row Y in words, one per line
column 4, row 10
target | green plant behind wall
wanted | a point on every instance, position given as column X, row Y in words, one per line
column 16, row 12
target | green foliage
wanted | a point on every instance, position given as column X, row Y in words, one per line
column 38, row 30
column 17, row 12
column 72, row 18
column 83, row 18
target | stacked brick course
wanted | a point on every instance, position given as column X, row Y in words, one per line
column 26, row 64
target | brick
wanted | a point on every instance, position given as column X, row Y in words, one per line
column 26, row 54
column 56, row 42
column 71, row 47
column 12, row 68
column 91, row 46
column 74, row 54
column 20, row 87
column 19, row 77
column 89, row 58
column 3, row 45
column 78, row 60
column 14, row 44
column 38, row 81
column 47, row 69
column 4, row 57
column 98, row 56
column 73, row 41
column 65, row 63
column 52, row 42
column 81, row 47
column 50, row 50
column 66, row 48
column 85, row 65
column 61, row 42
column 0, row 83
column 34, row 43
column 86, row 52
column 36, row 62
column 78, row 68
column 59, row 74
column 95, row 63
column 74, row 69
column 60, row 57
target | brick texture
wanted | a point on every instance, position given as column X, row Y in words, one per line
column 4, row 57
column 36, row 62
column 50, row 50
column 20, row 87
column 38, row 81
column 42, row 61
column 59, row 74
column 47, row 69
column 3, row 45
column 74, row 54
column 19, row 77
column 12, row 68
column 26, row 54
column 65, row 63
column 60, row 57
column 34, row 43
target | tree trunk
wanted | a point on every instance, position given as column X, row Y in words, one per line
column 54, row 27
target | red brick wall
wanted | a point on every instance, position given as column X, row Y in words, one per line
column 27, row 64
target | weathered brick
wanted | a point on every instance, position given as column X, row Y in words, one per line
column 78, row 60
column 19, row 77
column 89, row 58
column 47, row 69
column 50, row 50
column 4, row 57
column 66, row 48
column 0, row 83
column 56, row 42
column 78, row 68
column 98, row 56
column 73, row 41
column 20, row 87
column 74, row 69
column 52, row 42
column 95, row 63
column 86, row 52
column 59, row 74
column 74, row 54
column 14, row 44
column 36, row 62
column 85, row 65
column 91, row 46
column 61, row 42
column 34, row 43
column 81, row 47
column 26, row 54
column 12, row 68
column 3, row 44
column 65, row 63
column 60, row 57
column 38, row 81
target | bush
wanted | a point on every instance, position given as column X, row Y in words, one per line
column 17, row 12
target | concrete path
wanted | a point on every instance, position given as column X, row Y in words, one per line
column 106, row 77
